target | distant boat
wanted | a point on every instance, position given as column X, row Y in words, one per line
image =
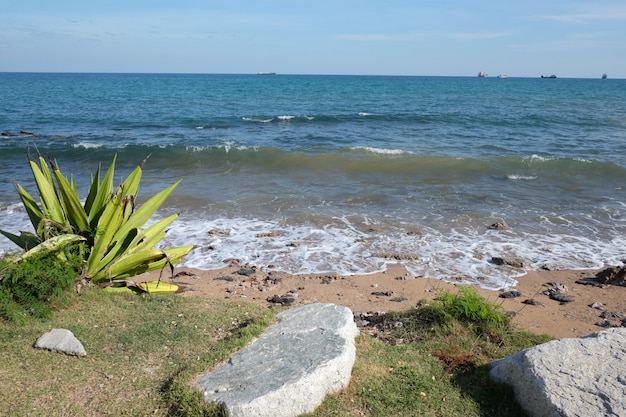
column 604, row 76
column 482, row 75
column 501, row 75
column 549, row 76
column 265, row 73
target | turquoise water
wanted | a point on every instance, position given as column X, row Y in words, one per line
column 348, row 170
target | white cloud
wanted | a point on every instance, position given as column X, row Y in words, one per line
column 595, row 13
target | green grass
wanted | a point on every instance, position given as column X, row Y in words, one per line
column 144, row 353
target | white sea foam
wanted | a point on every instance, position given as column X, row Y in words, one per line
column 533, row 158
column 286, row 118
column 88, row 145
column 195, row 148
column 228, row 145
column 251, row 119
column 343, row 247
column 521, row 177
column 380, row 150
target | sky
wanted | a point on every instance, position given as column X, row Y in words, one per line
column 520, row 38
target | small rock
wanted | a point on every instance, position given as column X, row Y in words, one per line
column 383, row 293
column 612, row 315
column 597, row 305
column 510, row 294
column 224, row 278
column 61, row 340
column 560, row 297
column 218, row 232
column 246, row 271
column 554, row 287
column 533, row 302
column 286, row 299
column 269, row 234
column 185, row 274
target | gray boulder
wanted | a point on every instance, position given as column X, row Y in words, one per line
column 61, row 340
column 290, row 368
column 569, row 377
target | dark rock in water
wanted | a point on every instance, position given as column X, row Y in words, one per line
column 20, row 133
column 269, row 234
column 219, row 232
column 510, row 294
column 398, row 256
column 513, row 261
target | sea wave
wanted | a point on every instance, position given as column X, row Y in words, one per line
column 352, row 159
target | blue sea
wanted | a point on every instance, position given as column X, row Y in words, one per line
column 343, row 174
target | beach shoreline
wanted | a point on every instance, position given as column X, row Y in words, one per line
column 396, row 290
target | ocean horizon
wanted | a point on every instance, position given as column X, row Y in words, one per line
column 343, row 174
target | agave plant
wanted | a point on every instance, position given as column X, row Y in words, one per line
column 109, row 222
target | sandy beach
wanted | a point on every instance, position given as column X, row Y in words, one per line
column 397, row 290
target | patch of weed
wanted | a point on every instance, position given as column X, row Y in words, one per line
column 34, row 286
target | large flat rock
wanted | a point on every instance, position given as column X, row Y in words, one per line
column 569, row 377
column 290, row 368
